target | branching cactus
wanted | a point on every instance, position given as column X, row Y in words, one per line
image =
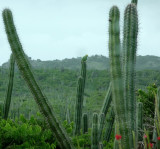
column 109, row 125
column 23, row 65
column 116, row 74
column 85, row 123
column 10, row 86
column 80, row 94
column 130, row 32
column 94, row 135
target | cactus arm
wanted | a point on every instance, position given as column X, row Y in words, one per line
column 94, row 135
column 10, row 86
column 23, row 65
column 130, row 33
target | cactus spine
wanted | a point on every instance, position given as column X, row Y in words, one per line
column 116, row 74
column 10, row 86
column 94, row 135
column 85, row 123
column 79, row 99
column 130, row 32
column 23, row 65
column 140, row 121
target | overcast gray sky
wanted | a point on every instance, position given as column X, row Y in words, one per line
column 58, row 29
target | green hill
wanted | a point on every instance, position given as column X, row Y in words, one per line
column 97, row 62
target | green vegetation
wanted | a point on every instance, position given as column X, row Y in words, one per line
column 84, row 119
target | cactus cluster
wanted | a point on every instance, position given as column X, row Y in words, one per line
column 122, row 68
column 121, row 90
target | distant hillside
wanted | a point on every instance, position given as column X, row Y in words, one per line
column 97, row 62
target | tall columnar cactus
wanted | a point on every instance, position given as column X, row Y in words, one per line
column 83, row 70
column 116, row 75
column 130, row 32
column 109, row 125
column 85, row 123
column 140, row 121
column 10, row 86
column 94, row 135
column 79, row 106
column 23, row 65
column 80, row 94
column 1, row 108
column 101, row 125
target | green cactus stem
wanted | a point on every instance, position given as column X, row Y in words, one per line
column 23, row 65
column 10, row 87
column 101, row 125
column 135, row 1
column 109, row 125
column 79, row 105
column 107, row 101
column 83, row 70
column 140, row 121
column 94, row 135
column 1, row 108
column 130, row 33
column 116, row 75
column 85, row 123
column 80, row 94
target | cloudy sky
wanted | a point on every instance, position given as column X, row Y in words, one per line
column 58, row 29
